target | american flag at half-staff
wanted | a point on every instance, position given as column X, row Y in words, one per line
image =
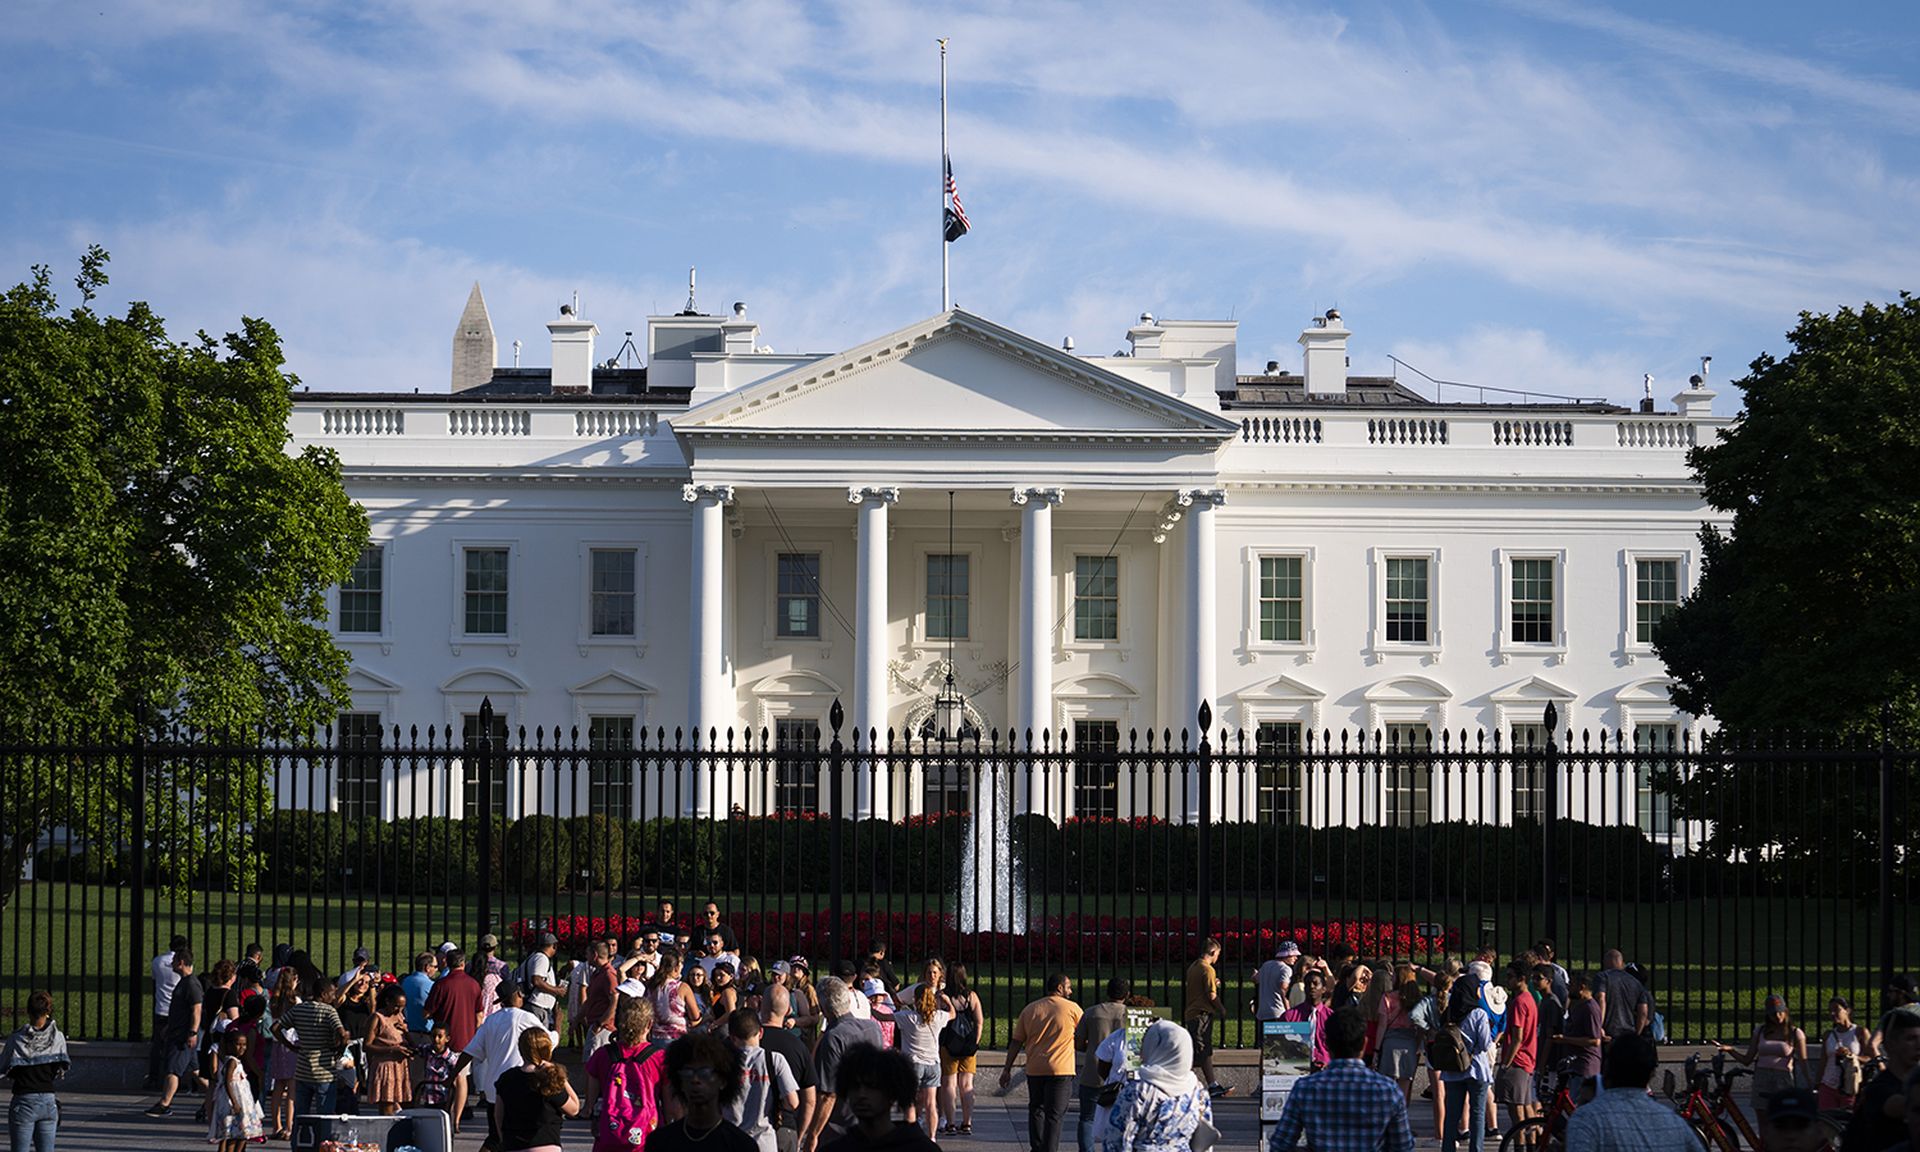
column 957, row 225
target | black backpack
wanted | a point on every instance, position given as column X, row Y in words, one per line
column 961, row 1036
column 1447, row 1051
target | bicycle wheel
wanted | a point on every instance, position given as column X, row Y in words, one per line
column 1713, row 1136
column 1532, row 1134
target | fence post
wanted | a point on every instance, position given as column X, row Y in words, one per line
column 137, row 955
column 1204, row 872
column 1886, row 844
column 836, row 809
column 483, row 781
column 1549, row 824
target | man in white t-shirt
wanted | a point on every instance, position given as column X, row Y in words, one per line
column 164, row 979
column 495, row 1046
column 540, row 982
column 767, row 1077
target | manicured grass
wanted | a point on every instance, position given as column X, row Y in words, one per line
column 1714, row 961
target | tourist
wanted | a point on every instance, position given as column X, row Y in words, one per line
column 362, row 963
column 1345, row 1105
column 844, row 1032
column 1467, row 1090
column 1096, row 1024
column 164, row 980
column 1203, row 1007
column 1549, row 956
column 1900, row 991
column 1777, row 1052
column 495, row 1046
column 539, row 980
column 1625, row 1006
column 700, row 990
column 710, row 925
column 1431, row 1016
column 220, row 1005
column 725, row 995
column 663, row 920
column 34, row 1060
column 778, row 1036
column 1877, row 1114
column 487, row 968
column 1519, row 1050
column 1273, row 982
column 1401, row 1037
column 676, row 1009
column 455, row 1003
column 389, row 1056
column 236, row 1118
column 1353, row 983
column 418, row 985
column 1045, row 1032
column 253, row 1024
column 597, row 1005
column 807, row 1018
column 628, row 1071
column 922, row 1012
column 882, row 967
column 1792, row 1123
column 1844, row 1051
column 1625, row 1116
column 959, row 1052
column 875, row 1082
column 1163, row 1106
column 182, row 1030
column 322, row 1040
column 282, row 1061
column 769, row 1083
column 1313, row 1007
column 644, row 960
column 532, row 1099
column 439, row 1060
column 703, row 1073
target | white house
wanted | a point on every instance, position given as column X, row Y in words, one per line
column 728, row 538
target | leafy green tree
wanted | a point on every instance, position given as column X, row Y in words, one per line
column 1805, row 611
column 162, row 554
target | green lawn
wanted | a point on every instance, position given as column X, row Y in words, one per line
column 1713, row 961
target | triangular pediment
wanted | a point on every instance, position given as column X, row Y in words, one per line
column 613, row 683
column 1282, row 688
column 953, row 373
column 1534, row 689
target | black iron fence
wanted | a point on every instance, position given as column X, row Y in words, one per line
column 1727, row 870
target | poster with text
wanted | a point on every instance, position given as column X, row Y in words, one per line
column 1286, row 1054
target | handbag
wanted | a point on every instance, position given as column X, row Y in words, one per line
column 1205, row 1136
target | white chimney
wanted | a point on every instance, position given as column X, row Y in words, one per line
column 1697, row 400
column 572, row 352
column 1145, row 337
column 738, row 334
column 1325, row 343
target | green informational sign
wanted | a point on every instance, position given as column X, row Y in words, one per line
column 1138, row 1021
column 1286, row 1054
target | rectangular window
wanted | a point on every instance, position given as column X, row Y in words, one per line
column 945, row 787
column 486, row 597
column 1096, row 768
column 1282, row 600
column 1407, row 607
column 1278, row 773
column 1096, row 598
column 610, row 769
column 612, row 591
column 1655, row 745
column 1409, row 775
column 798, row 595
column 1533, row 601
column 361, row 591
column 1527, row 744
column 949, row 583
column 358, row 740
column 1656, row 592
column 500, row 767
column 796, row 765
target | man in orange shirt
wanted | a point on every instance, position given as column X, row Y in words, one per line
column 1202, row 1009
column 1045, row 1032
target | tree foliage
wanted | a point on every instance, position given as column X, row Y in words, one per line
column 162, row 553
column 1805, row 610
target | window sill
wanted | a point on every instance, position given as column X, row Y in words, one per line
column 1555, row 653
column 510, row 642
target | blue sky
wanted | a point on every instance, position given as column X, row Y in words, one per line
column 1527, row 193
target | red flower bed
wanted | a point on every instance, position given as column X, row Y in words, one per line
column 1066, row 939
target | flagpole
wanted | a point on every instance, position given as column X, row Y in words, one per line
column 946, row 290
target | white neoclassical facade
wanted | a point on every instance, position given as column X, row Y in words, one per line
column 729, row 538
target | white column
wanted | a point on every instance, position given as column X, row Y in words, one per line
column 1200, row 682
column 1033, row 711
column 709, row 703
column 870, row 644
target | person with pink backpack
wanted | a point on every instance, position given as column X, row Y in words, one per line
column 628, row 1071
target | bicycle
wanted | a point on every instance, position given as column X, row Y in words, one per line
column 1710, row 1107
column 1549, row 1129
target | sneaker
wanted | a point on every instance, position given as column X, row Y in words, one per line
column 160, row 1110
column 1218, row 1090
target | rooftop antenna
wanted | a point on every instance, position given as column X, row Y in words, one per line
column 516, row 353
column 576, row 301
column 691, row 310
column 628, row 356
column 1705, row 363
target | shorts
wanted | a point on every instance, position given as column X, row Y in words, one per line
column 1400, row 1055
column 597, row 1039
column 1201, row 1029
column 962, row 1065
column 1513, row 1086
column 183, row 1062
column 926, row 1075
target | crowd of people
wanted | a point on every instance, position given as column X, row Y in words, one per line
column 684, row 1037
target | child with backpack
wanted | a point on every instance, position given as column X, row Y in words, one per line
column 628, row 1072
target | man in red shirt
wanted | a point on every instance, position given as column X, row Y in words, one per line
column 455, row 1004
column 1519, row 1042
column 597, row 1007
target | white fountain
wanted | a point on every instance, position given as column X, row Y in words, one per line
column 993, row 885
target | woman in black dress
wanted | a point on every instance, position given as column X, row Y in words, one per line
column 533, row 1100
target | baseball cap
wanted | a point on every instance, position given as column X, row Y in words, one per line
column 361, row 955
column 1776, row 1003
column 872, row 987
column 506, row 990
column 447, row 946
column 1792, row 1103
column 632, row 987
column 1288, row 948
column 489, row 941
column 1902, row 982
column 547, row 938
column 780, row 968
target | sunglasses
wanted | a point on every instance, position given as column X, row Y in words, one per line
column 701, row 1074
